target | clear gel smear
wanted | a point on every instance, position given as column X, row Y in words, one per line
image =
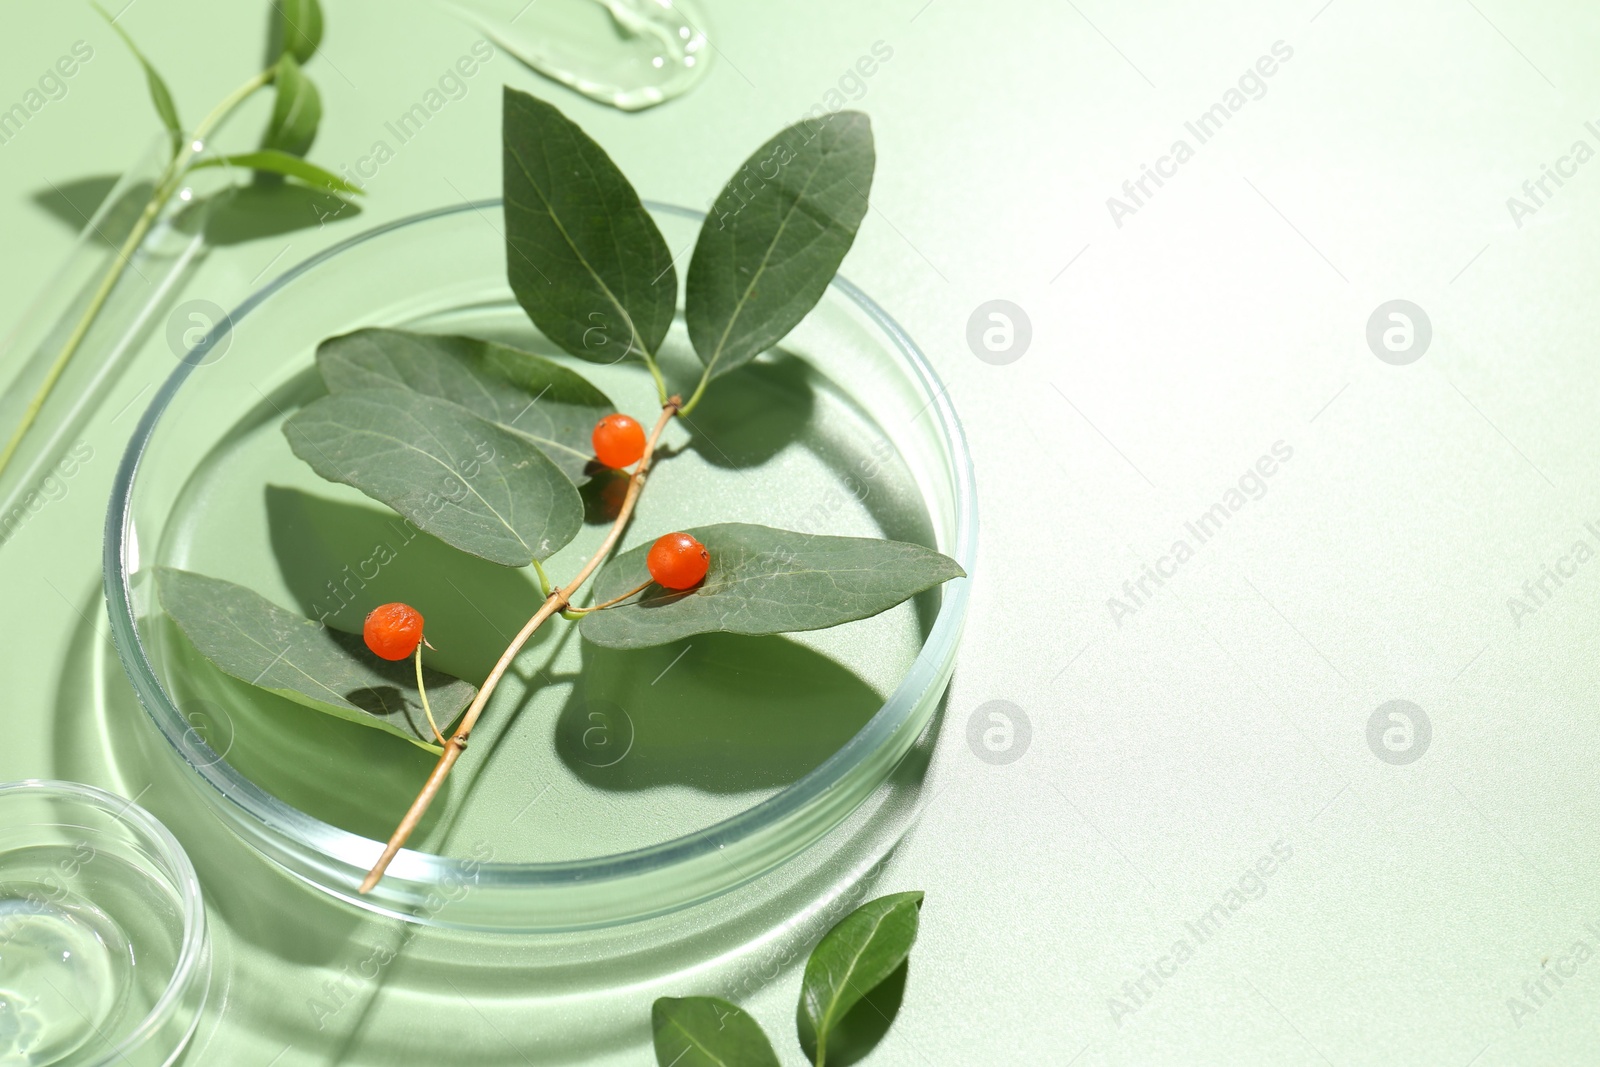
column 630, row 54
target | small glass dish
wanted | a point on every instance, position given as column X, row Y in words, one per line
column 618, row 786
column 103, row 951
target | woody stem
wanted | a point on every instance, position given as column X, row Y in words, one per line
column 557, row 600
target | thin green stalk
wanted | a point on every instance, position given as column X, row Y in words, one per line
column 171, row 177
column 655, row 372
column 699, row 390
column 422, row 690
column 75, row 339
column 548, row 589
column 544, row 578
column 575, row 614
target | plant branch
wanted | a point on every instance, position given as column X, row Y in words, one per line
column 166, row 186
column 558, row 599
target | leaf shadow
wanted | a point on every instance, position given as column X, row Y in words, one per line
column 232, row 215
column 73, row 203
column 856, row 1034
column 756, row 411
column 243, row 213
column 340, row 560
column 720, row 713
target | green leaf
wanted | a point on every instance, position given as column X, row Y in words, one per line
column 296, row 110
column 708, row 1032
column 859, row 1031
column 296, row 29
column 764, row 581
column 466, row 481
column 552, row 406
column 285, row 164
column 583, row 256
column 159, row 94
column 851, row 960
column 775, row 237
column 249, row 637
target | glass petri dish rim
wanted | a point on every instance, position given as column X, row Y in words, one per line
column 192, row 953
column 345, row 848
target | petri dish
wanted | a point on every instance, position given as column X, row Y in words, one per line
column 104, row 957
column 601, row 788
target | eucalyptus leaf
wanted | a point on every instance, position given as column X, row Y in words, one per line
column 583, row 256
column 764, row 581
column 285, row 164
column 296, row 29
column 296, row 110
column 708, row 1032
column 775, row 237
column 554, row 407
column 249, row 637
column 462, row 479
column 160, row 95
column 854, row 958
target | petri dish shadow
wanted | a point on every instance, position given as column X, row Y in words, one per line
column 276, row 934
column 103, row 736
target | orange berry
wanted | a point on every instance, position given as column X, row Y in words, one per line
column 618, row 441
column 677, row 561
column 393, row 631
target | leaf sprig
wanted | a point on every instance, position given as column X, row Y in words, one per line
column 295, row 30
column 485, row 446
column 850, row 969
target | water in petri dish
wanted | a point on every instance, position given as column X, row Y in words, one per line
column 63, row 971
column 88, row 941
column 630, row 54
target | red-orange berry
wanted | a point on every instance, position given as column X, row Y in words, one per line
column 678, row 561
column 393, row 631
column 618, row 441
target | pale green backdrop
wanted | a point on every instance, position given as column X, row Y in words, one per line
column 1176, row 738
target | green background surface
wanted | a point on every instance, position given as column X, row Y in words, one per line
column 1172, row 745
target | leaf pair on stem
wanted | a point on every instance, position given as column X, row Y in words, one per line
column 294, row 34
column 594, row 273
column 853, row 964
